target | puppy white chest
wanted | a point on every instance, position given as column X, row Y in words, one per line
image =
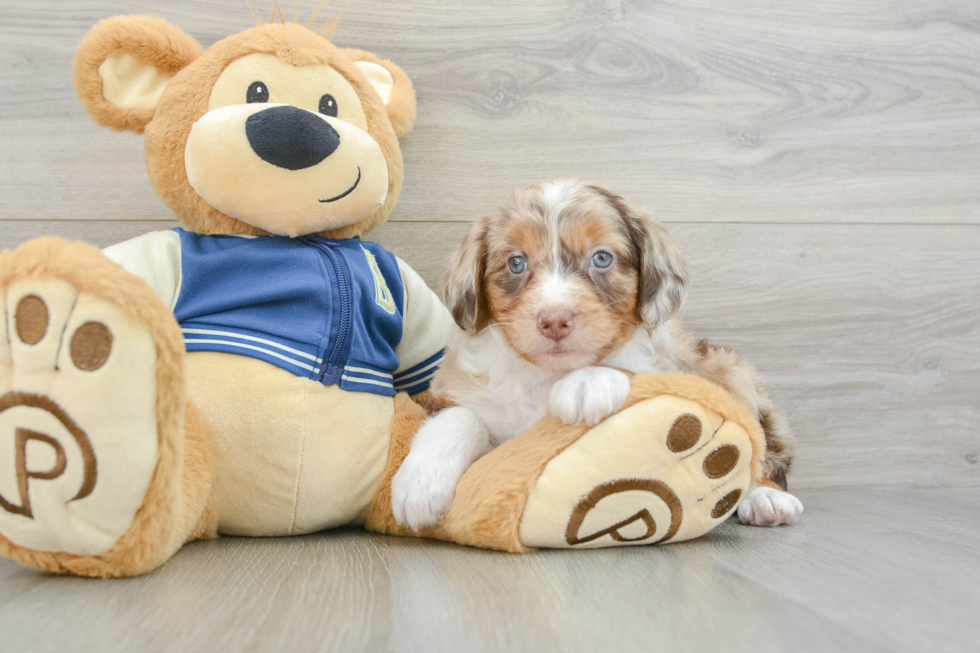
column 649, row 351
column 513, row 412
column 509, row 394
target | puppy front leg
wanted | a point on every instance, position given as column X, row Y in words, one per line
column 589, row 395
column 442, row 450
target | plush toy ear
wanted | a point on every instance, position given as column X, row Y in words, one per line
column 124, row 64
column 392, row 84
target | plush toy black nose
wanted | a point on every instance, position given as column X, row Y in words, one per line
column 290, row 137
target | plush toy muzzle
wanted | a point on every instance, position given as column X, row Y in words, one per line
column 285, row 169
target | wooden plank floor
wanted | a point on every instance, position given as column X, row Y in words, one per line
column 818, row 164
column 864, row 571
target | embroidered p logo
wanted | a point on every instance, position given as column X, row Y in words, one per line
column 594, row 502
column 23, row 436
column 383, row 296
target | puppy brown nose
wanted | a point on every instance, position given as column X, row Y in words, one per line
column 555, row 323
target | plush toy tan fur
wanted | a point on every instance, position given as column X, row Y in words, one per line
column 117, row 445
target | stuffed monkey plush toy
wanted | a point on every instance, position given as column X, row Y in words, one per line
column 251, row 373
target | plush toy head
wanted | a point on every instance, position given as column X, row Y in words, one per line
column 271, row 131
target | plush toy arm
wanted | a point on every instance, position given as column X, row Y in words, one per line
column 431, row 402
column 425, row 328
column 155, row 258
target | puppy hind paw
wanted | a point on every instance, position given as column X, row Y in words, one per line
column 766, row 506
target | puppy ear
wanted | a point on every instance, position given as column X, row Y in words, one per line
column 123, row 66
column 462, row 286
column 663, row 271
column 392, row 84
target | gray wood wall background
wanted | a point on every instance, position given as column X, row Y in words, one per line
column 818, row 163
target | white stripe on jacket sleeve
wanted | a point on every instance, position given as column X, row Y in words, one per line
column 425, row 325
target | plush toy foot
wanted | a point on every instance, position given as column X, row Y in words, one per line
column 669, row 466
column 665, row 469
column 91, row 413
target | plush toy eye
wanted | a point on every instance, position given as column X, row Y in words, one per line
column 257, row 92
column 328, row 105
column 517, row 264
column 602, row 259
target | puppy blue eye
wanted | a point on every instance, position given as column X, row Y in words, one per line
column 517, row 264
column 602, row 259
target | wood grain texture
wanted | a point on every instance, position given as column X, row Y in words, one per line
column 707, row 110
column 863, row 571
column 869, row 339
column 820, row 166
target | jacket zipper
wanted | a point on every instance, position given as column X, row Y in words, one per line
column 333, row 365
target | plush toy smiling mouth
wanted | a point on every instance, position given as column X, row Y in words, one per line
column 346, row 192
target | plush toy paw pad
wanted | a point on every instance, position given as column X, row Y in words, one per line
column 78, row 435
column 663, row 470
column 90, row 346
column 31, row 319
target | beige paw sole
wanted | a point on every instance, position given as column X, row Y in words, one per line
column 665, row 469
column 78, row 432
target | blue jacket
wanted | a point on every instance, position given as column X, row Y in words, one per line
column 329, row 310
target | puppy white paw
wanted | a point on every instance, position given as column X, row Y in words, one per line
column 589, row 395
column 445, row 446
column 421, row 493
column 766, row 506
